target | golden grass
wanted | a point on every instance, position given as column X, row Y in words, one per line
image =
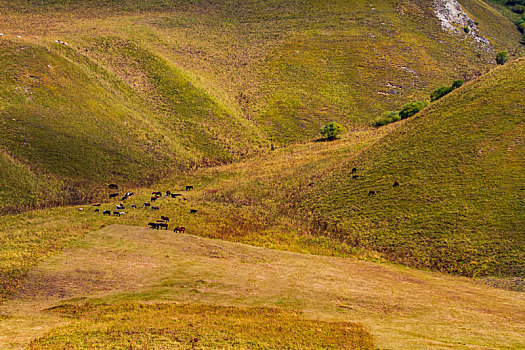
column 402, row 308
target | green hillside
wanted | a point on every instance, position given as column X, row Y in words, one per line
column 146, row 88
column 460, row 165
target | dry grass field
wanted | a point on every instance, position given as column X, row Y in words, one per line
column 118, row 272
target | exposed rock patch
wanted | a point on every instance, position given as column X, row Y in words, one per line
column 455, row 19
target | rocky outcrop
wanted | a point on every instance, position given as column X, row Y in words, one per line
column 454, row 18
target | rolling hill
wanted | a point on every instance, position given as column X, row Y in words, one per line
column 460, row 203
column 147, row 88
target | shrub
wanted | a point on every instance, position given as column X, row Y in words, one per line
column 412, row 108
column 457, row 83
column 502, row 57
column 521, row 28
column 442, row 91
column 331, row 130
column 391, row 117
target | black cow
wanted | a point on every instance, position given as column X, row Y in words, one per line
column 188, row 188
column 354, row 170
column 120, row 207
column 396, row 184
column 168, row 193
column 124, row 198
column 162, row 225
column 174, row 195
column 113, row 195
column 133, row 206
column 153, row 199
column 355, row 176
column 165, row 218
column 371, row 193
column 97, row 210
column 106, row 212
column 179, row 229
column 193, row 211
column 153, row 225
column 146, row 204
column 157, row 194
column 96, row 205
column 116, row 213
column 154, row 207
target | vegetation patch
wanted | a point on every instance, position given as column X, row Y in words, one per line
column 157, row 326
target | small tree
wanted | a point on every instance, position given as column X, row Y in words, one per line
column 502, row 57
column 331, row 130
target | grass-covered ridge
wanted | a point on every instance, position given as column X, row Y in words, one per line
column 459, row 206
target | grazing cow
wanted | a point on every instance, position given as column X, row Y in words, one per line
column 162, row 225
column 80, row 209
column 122, row 213
column 116, row 213
column 113, row 195
column 154, row 207
column 106, row 212
column 174, row 195
column 113, row 187
column 396, row 184
column 179, row 229
column 146, row 204
column 95, row 205
column 165, row 218
column 153, row 225
column 168, row 193
column 355, row 176
column 354, row 170
column 97, row 210
column 188, row 188
column 193, row 211
column 120, row 207
column 153, row 199
column 133, row 206
column 124, row 198
column 157, row 194
column 129, row 194
column 371, row 193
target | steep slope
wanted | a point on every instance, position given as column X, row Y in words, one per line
column 460, row 165
column 145, row 88
column 67, row 119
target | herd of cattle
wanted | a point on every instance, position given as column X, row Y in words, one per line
column 162, row 223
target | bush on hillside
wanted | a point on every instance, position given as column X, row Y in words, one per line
column 457, row 83
column 518, row 9
column 442, row 91
column 391, row 117
column 521, row 28
column 502, row 57
column 331, row 130
column 412, row 108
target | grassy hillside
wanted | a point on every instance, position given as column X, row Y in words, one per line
column 145, row 88
column 66, row 119
column 460, row 165
column 137, row 286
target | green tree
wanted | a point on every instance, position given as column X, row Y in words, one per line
column 331, row 130
column 502, row 57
